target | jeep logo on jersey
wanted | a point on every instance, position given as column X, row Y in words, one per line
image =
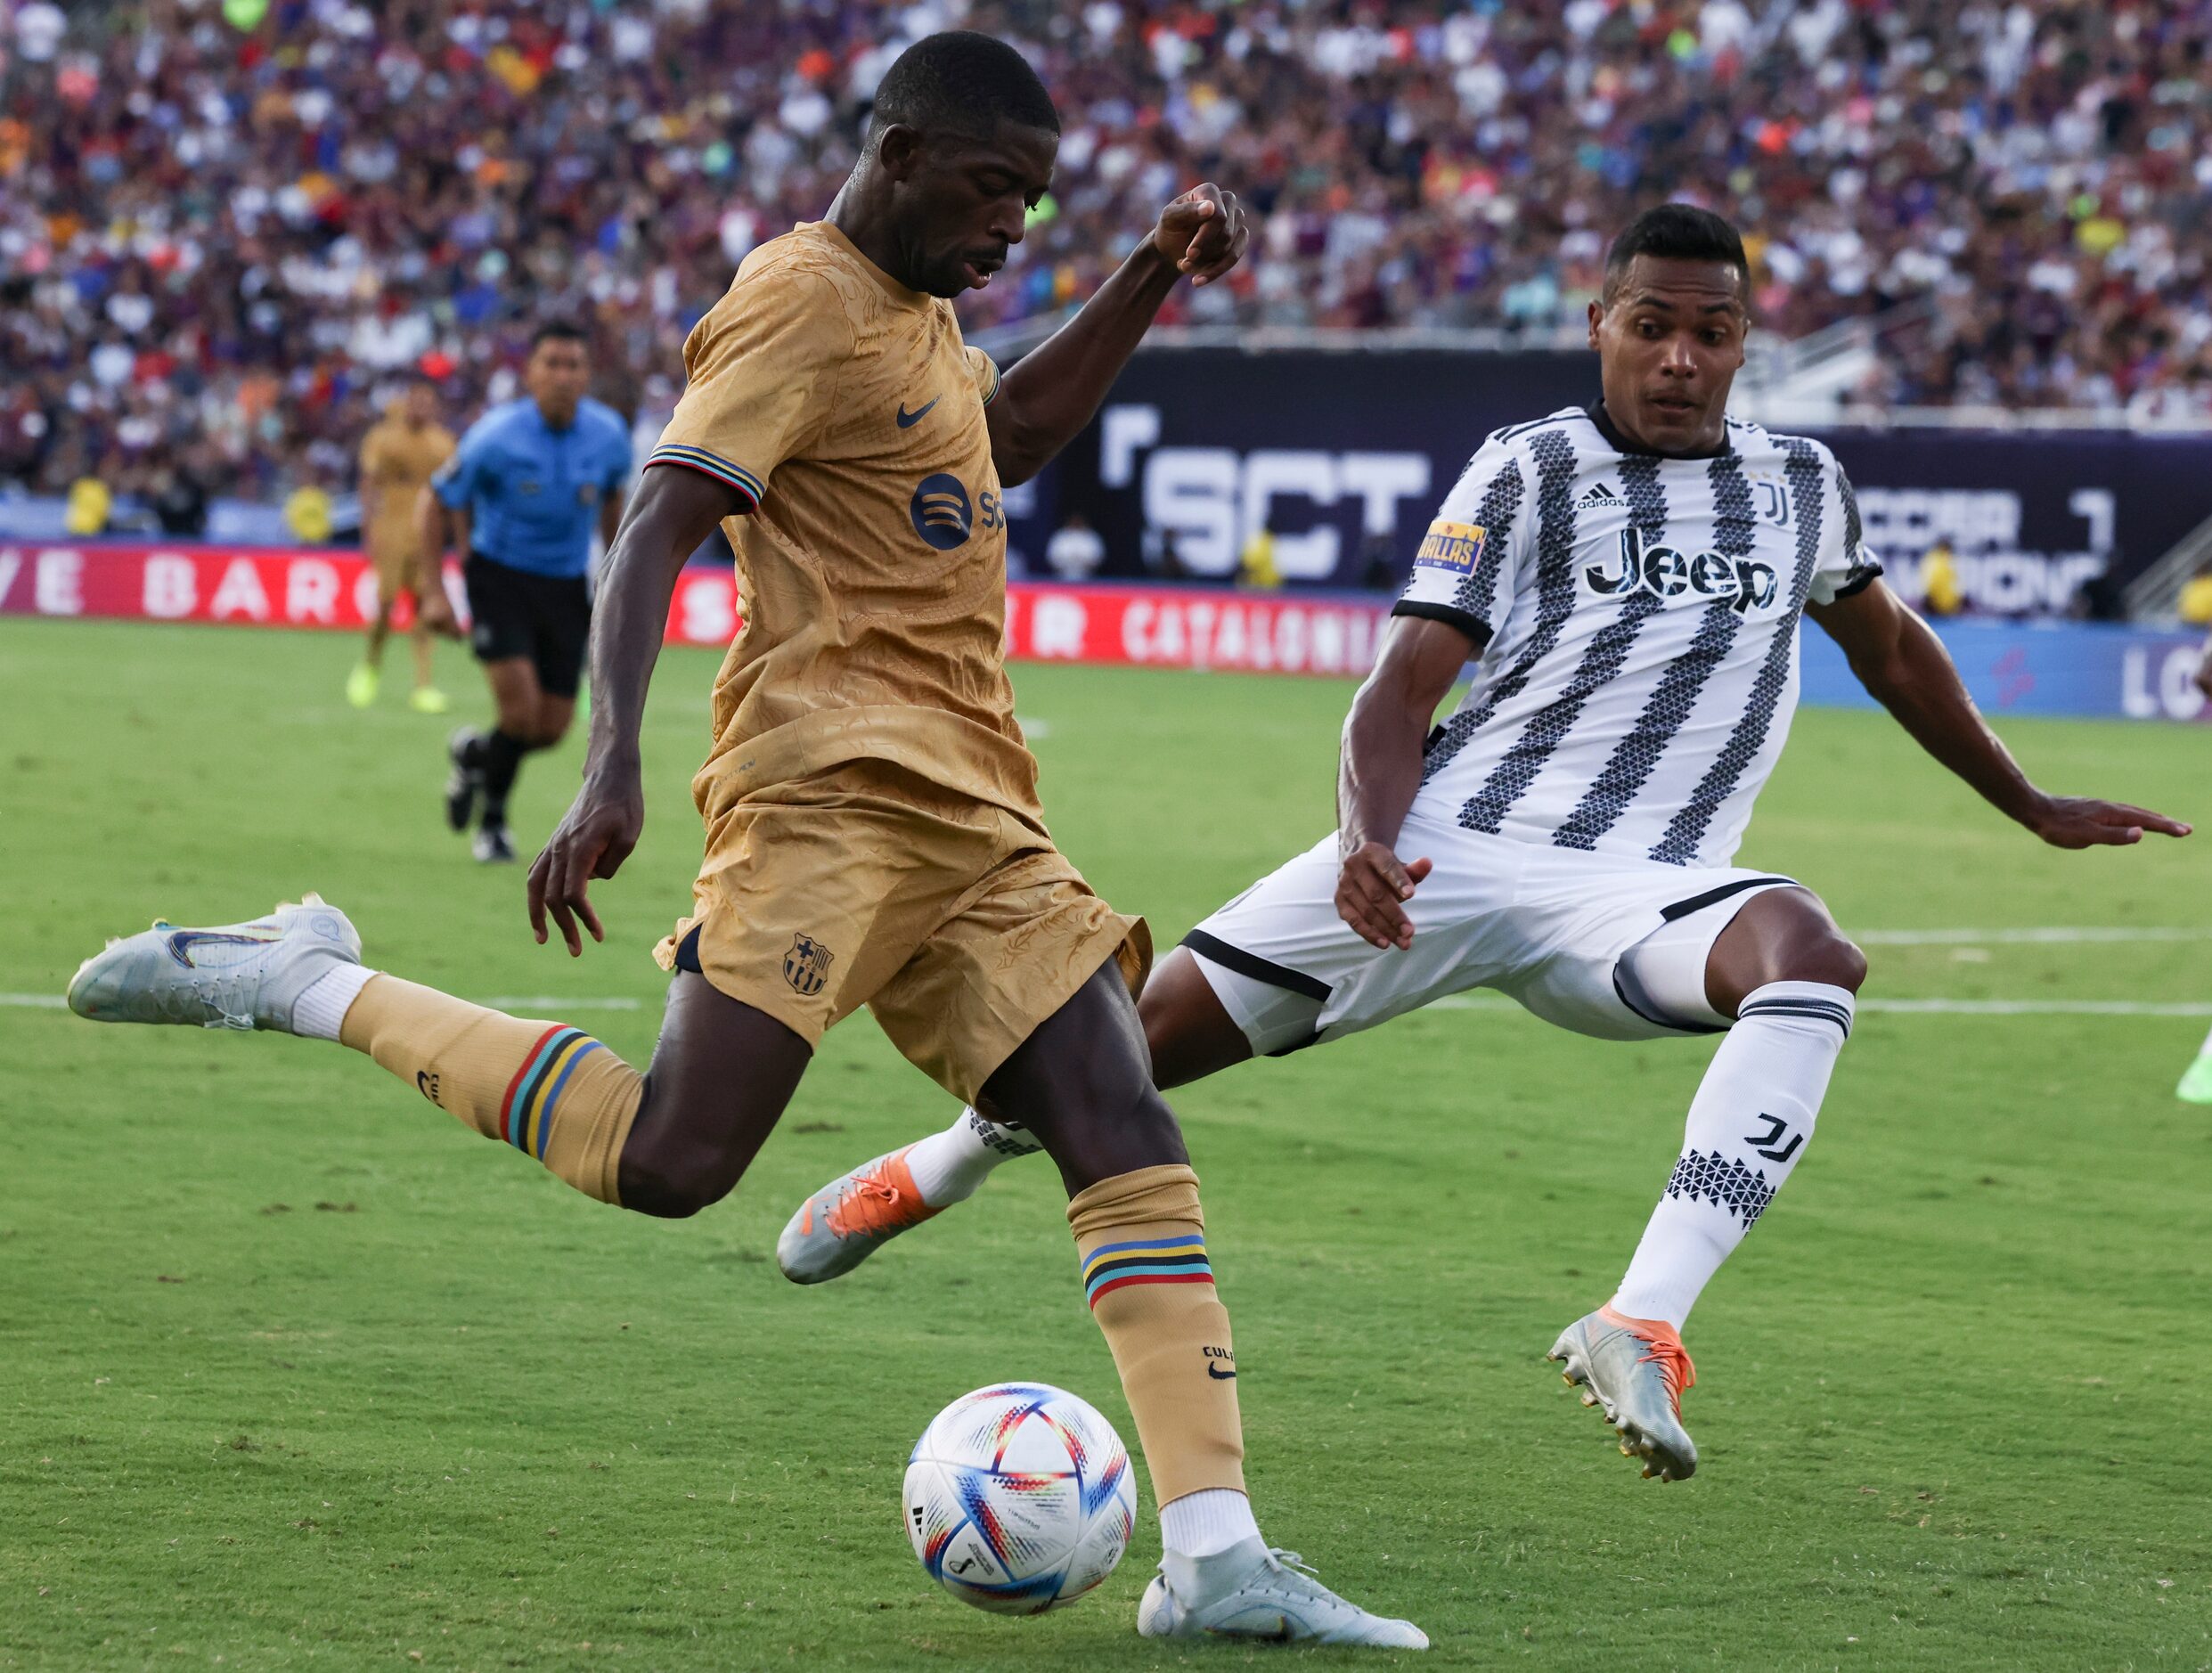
column 1666, row 574
column 941, row 511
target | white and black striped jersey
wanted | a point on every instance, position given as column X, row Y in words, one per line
column 1640, row 620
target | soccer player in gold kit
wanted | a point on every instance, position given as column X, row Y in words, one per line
column 400, row 455
column 873, row 834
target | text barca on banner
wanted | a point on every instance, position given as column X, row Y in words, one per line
column 2047, row 669
column 1173, row 627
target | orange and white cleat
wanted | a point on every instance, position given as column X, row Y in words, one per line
column 1635, row 1368
column 849, row 1219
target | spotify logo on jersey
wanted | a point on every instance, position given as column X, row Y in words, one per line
column 941, row 511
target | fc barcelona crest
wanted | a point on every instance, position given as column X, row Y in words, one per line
column 806, row 966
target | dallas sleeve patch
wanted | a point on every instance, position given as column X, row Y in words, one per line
column 1455, row 548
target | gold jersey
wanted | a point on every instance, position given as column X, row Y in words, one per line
column 845, row 409
column 395, row 462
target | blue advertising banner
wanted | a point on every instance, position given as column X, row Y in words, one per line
column 2077, row 668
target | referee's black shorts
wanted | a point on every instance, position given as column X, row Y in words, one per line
column 544, row 618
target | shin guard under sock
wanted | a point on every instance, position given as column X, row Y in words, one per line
column 1140, row 1239
column 1749, row 1125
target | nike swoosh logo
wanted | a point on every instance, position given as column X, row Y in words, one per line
column 182, row 942
column 908, row 421
column 1219, row 1375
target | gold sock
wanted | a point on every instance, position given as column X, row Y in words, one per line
column 1140, row 1238
column 552, row 1091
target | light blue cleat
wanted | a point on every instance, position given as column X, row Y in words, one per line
column 238, row 975
column 1263, row 1595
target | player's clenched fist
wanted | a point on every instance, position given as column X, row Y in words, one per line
column 1202, row 232
column 1372, row 889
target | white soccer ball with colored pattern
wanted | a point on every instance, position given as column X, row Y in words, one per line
column 1019, row 1498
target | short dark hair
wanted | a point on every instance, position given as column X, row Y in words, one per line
column 559, row 332
column 961, row 82
column 1677, row 231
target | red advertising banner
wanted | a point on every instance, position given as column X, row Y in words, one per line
column 1169, row 627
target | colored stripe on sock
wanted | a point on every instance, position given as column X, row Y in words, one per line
column 1116, row 1266
column 514, row 1115
column 507, row 1104
column 540, row 1123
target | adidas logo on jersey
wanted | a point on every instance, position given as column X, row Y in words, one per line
column 1598, row 499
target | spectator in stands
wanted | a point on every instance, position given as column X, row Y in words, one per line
column 1074, row 551
column 178, row 500
column 240, row 234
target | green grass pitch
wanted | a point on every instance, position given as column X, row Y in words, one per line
column 294, row 1372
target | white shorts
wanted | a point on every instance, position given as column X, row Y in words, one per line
column 1547, row 925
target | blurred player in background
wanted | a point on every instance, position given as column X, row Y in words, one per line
column 399, row 455
column 532, row 482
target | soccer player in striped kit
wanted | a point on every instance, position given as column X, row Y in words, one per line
column 1629, row 579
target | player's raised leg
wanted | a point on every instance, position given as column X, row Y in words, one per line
column 1789, row 978
column 1187, row 1035
column 1081, row 1084
column 667, row 1142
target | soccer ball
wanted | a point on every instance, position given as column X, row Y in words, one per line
column 1019, row 1498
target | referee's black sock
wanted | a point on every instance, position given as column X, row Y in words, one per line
column 500, row 761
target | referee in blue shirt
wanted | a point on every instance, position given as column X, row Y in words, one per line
column 520, row 497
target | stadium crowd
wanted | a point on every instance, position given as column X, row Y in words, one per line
column 225, row 225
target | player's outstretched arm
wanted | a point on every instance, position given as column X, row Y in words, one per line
column 674, row 510
column 1052, row 391
column 1380, row 772
column 1901, row 661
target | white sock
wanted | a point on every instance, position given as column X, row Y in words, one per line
column 317, row 1013
column 1748, row 1127
column 1206, row 1522
column 948, row 1166
column 2205, row 1050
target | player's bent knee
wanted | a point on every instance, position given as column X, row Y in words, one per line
column 666, row 1189
column 670, row 1172
column 1188, row 1032
column 1837, row 961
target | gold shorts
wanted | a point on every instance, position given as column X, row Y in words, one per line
column 394, row 559
column 960, row 925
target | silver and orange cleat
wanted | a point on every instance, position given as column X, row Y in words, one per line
column 849, row 1219
column 1635, row 1370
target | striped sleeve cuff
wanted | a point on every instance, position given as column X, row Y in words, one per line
column 997, row 378
column 709, row 464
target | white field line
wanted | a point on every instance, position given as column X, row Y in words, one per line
column 2057, row 937
column 556, row 1004
column 2043, row 936
column 1927, row 1007
column 498, row 1002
